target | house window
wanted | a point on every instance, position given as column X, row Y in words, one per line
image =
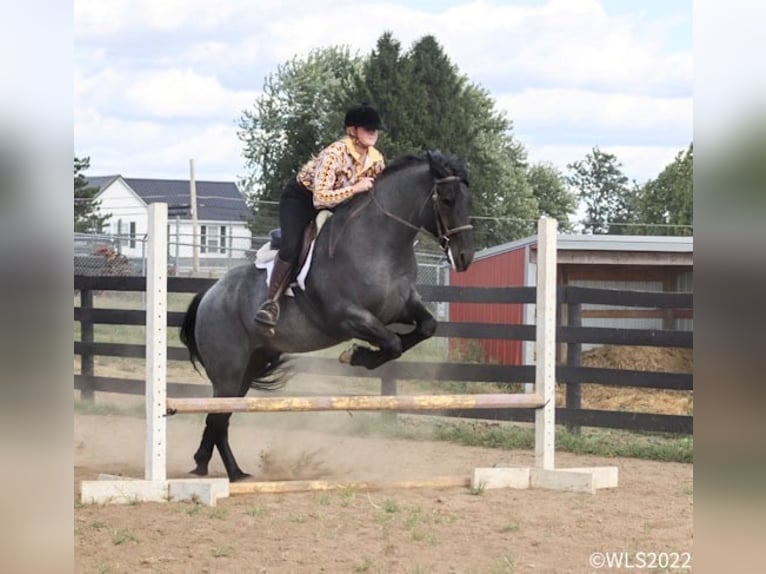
column 132, row 234
column 212, row 238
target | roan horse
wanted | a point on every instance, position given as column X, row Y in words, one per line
column 362, row 278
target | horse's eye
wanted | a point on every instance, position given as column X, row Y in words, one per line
column 447, row 201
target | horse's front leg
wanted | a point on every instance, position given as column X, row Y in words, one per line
column 425, row 323
column 361, row 324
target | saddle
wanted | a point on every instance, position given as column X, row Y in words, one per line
column 269, row 250
column 309, row 234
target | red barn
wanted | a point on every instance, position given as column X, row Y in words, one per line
column 643, row 263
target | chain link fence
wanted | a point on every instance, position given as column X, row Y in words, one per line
column 102, row 254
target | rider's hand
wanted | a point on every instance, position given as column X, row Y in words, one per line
column 364, row 184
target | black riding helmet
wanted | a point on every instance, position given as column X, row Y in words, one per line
column 365, row 116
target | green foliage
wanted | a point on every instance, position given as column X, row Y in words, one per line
column 669, row 199
column 603, row 187
column 300, row 111
column 86, row 216
column 553, row 197
column 425, row 103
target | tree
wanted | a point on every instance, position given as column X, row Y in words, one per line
column 425, row 103
column 668, row 199
column 553, row 197
column 86, row 215
column 299, row 112
column 600, row 183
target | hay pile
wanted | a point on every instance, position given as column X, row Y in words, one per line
column 635, row 399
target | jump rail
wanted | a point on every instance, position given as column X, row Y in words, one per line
column 354, row 403
column 157, row 487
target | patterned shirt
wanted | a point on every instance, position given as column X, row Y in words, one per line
column 331, row 175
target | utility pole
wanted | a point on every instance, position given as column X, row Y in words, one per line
column 193, row 207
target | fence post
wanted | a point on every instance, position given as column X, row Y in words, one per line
column 574, row 359
column 86, row 336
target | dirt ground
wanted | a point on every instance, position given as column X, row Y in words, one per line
column 397, row 531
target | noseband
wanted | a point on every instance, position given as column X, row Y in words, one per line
column 443, row 232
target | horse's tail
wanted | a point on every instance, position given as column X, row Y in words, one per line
column 187, row 330
column 268, row 372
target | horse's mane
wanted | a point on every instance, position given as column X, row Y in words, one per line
column 449, row 162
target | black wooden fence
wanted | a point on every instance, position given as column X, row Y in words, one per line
column 573, row 374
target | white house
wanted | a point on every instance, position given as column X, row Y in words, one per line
column 222, row 215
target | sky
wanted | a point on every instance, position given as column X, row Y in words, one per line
column 157, row 83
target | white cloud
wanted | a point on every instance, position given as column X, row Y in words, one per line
column 148, row 149
column 570, row 42
column 639, row 162
column 563, row 69
column 167, row 93
column 93, row 18
column 597, row 109
column 184, row 93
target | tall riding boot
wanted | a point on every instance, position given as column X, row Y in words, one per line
column 268, row 314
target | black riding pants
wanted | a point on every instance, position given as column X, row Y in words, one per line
column 296, row 211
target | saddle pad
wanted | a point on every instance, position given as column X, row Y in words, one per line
column 264, row 257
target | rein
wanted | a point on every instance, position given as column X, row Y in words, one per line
column 442, row 230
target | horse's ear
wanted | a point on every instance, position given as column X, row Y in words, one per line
column 436, row 166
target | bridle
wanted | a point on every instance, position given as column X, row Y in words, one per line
column 443, row 232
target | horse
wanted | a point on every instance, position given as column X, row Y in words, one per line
column 360, row 283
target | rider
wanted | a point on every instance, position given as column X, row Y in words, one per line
column 341, row 170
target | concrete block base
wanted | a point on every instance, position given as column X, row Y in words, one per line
column 110, row 489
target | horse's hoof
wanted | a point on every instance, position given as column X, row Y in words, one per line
column 345, row 356
column 239, row 476
column 199, row 471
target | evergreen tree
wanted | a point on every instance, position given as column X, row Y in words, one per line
column 86, row 215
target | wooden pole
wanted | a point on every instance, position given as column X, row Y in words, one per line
column 354, row 403
column 284, row 486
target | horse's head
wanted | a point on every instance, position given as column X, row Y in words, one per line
column 452, row 209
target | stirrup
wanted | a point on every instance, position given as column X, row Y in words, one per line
column 268, row 314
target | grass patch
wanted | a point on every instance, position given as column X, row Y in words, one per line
column 390, row 506
column 477, row 490
column 123, row 535
column 257, row 511
column 222, row 551
column 217, row 513
column 598, row 442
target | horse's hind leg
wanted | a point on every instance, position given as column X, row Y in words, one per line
column 229, row 379
column 216, row 434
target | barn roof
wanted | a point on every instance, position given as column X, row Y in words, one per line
column 677, row 248
column 216, row 200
